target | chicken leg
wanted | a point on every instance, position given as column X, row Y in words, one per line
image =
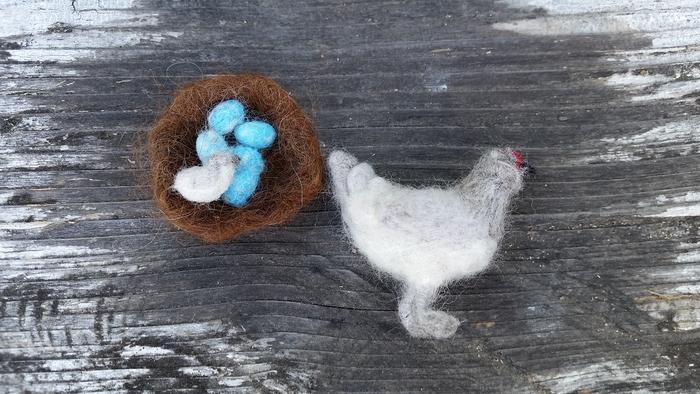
column 420, row 319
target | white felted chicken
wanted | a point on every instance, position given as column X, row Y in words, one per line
column 431, row 236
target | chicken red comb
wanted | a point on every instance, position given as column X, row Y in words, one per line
column 518, row 159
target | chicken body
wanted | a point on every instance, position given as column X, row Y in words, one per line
column 426, row 237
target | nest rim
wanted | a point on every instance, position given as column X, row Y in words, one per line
column 293, row 173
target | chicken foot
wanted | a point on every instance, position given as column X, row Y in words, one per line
column 420, row 319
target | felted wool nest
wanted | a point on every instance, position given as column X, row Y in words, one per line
column 293, row 165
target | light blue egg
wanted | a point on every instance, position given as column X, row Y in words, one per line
column 225, row 116
column 246, row 177
column 255, row 133
column 210, row 143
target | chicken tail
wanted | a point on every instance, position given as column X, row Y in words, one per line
column 340, row 163
column 348, row 174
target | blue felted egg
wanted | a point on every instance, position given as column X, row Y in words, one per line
column 245, row 179
column 209, row 143
column 225, row 116
column 255, row 133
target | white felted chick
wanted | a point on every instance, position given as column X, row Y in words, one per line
column 206, row 183
column 427, row 237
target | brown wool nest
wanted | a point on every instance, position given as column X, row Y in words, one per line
column 293, row 165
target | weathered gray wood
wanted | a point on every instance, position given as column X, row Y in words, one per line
column 595, row 290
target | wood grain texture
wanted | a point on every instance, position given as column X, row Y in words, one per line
column 596, row 288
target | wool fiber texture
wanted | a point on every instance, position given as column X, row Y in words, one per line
column 426, row 237
column 225, row 118
column 209, row 143
column 293, row 173
column 206, row 183
column 247, row 175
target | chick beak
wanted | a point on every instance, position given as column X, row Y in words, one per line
column 522, row 164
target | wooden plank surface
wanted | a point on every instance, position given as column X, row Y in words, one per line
column 596, row 288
